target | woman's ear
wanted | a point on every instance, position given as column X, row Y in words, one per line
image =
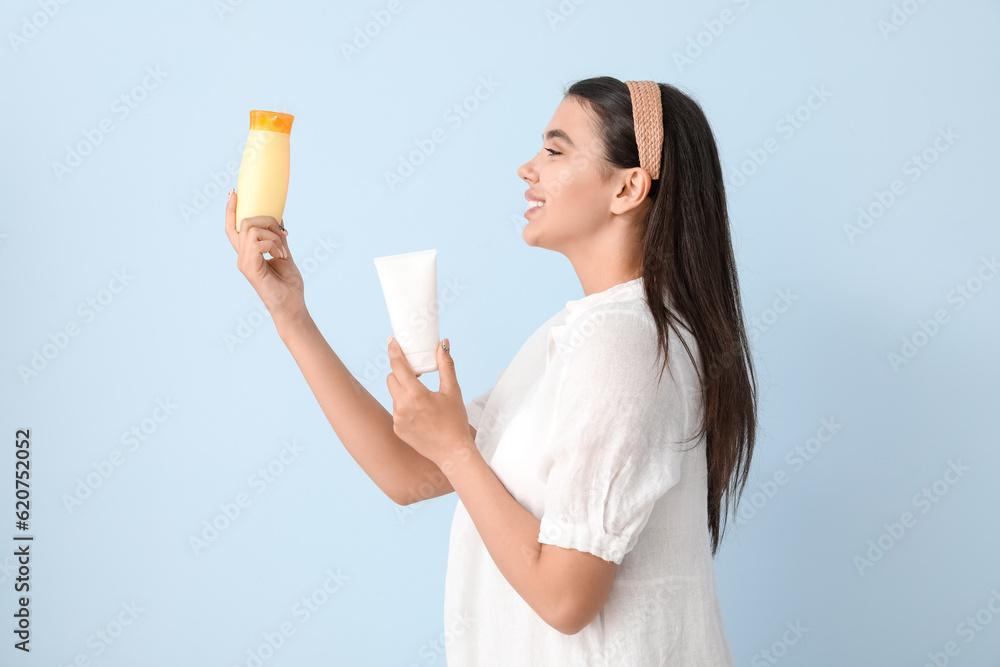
column 633, row 188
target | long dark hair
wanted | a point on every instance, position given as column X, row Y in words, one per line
column 687, row 254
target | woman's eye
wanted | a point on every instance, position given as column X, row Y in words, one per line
column 552, row 152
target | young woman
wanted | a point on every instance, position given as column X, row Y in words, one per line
column 591, row 485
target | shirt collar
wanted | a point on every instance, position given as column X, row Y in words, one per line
column 620, row 292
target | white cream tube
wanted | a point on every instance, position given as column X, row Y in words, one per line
column 409, row 283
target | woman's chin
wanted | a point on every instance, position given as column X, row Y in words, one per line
column 530, row 234
column 535, row 236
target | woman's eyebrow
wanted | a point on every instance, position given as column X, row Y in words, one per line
column 558, row 134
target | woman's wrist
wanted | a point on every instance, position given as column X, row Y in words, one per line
column 287, row 325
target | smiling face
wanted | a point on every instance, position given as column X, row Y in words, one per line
column 564, row 175
column 583, row 197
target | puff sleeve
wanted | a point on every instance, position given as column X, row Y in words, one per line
column 610, row 447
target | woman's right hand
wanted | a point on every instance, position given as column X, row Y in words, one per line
column 277, row 280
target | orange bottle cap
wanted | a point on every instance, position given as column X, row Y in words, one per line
column 272, row 121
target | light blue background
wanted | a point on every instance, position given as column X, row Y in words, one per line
column 145, row 201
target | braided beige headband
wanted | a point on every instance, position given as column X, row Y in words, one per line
column 647, row 113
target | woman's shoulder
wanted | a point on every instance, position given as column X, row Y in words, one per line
column 622, row 337
column 615, row 324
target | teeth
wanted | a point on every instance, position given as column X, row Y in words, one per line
column 535, row 204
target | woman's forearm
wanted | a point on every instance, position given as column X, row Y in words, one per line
column 363, row 425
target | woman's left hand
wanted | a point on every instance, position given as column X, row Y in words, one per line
column 434, row 423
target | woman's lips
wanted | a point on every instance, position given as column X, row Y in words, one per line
column 532, row 209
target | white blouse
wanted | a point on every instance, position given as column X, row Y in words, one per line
column 581, row 436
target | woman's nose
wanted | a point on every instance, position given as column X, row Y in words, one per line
column 526, row 172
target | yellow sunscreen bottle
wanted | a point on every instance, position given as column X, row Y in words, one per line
column 262, row 185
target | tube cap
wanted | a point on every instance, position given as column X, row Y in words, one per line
column 272, row 121
column 422, row 362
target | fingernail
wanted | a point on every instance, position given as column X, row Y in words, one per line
column 231, row 191
column 388, row 339
column 446, row 346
